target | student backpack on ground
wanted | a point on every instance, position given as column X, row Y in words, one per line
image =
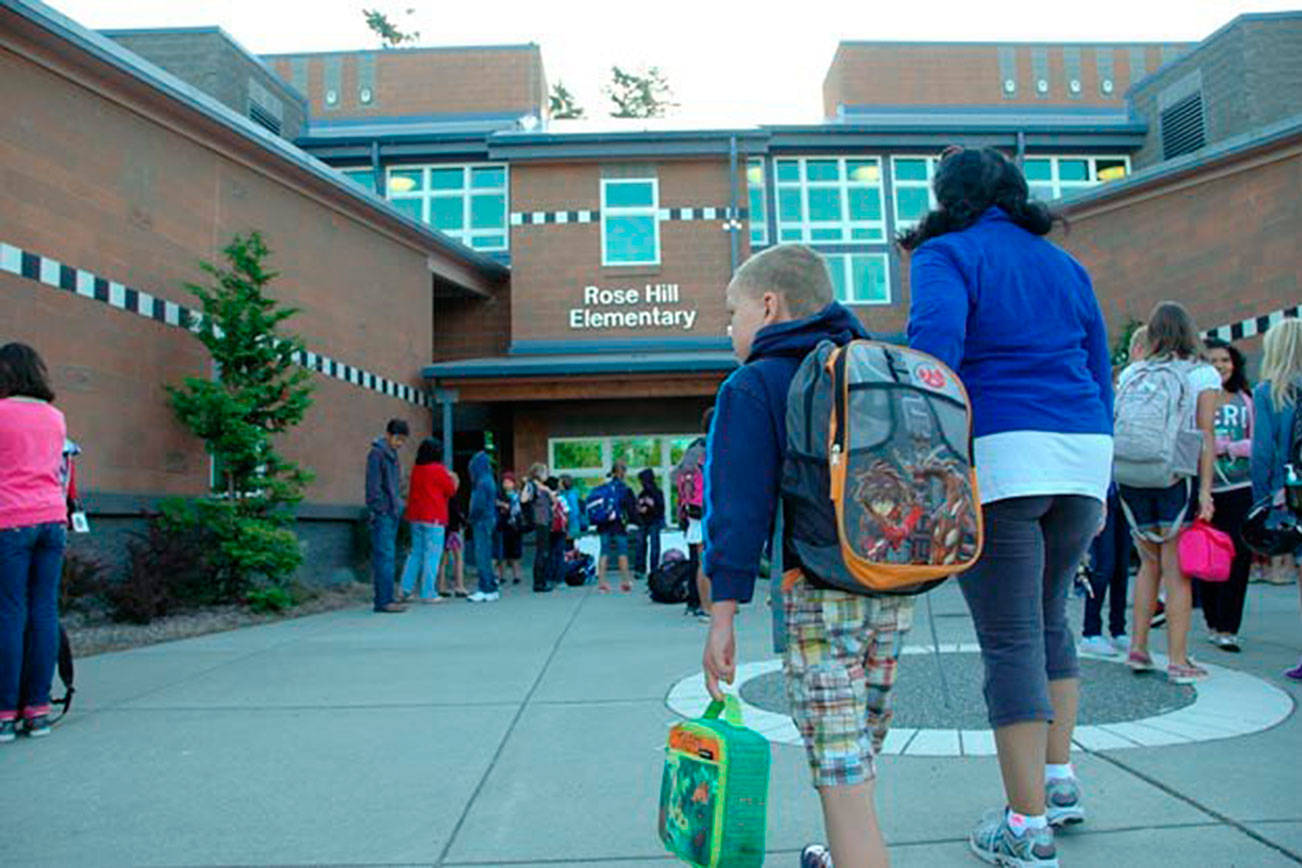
column 670, row 582
column 878, row 489
column 1155, row 444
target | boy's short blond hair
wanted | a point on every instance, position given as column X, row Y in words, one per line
column 1139, row 341
column 794, row 271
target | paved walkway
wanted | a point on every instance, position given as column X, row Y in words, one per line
column 529, row 732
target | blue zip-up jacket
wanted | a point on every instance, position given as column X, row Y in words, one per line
column 1271, row 431
column 747, row 442
column 1016, row 318
column 483, row 493
column 383, row 480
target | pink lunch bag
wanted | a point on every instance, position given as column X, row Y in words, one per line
column 1206, row 553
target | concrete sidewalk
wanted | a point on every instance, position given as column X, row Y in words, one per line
column 529, row 732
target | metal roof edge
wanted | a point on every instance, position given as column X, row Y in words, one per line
column 574, row 366
column 1236, row 21
column 219, row 31
column 418, row 49
column 107, row 51
column 986, row 43
column 1261, row 139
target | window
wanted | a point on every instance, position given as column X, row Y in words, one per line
column 860, row 278
column 364, row 178
column 911, row 189
column 467, row 203
column 829, row 199
column 589, row 459
column 755, row 191
column 1054, row 177
column 630, row 221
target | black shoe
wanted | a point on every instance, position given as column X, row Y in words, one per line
column 37, row 727
column 516, row 582
column 542, row 589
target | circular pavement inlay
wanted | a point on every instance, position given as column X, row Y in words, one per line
column 1119, row 709
column 1109, row 693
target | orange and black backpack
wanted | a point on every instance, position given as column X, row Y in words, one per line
column 879, row 493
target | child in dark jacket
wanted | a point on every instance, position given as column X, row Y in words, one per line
column 841, row 655
column 650, row 522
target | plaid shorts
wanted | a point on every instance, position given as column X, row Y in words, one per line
column 840, row 666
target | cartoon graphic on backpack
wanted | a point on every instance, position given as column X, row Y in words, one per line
column 691, row 492
column 878, row 487
column 1154, row 442
column 560, row 514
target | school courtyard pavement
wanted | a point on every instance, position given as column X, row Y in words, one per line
column 529, row 732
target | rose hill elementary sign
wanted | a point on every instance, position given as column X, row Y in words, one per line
column 655, row 306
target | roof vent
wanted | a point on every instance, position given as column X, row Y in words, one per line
column 1042, row 85
column 331, row 97
column 1107, row 85
column 1183, row 127
column 1010, row 86
column 365, row 96
column 1075, row 85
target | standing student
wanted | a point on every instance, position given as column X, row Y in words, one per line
column 559, row 524
column 427, row 513
column 1158, row 515
column 981, row 270
column 840, row 660
column 650, row 523
column 537, row 499
column 1276, row 400
column 510, row 528
column 1109, row 581
column 571, row 495
column 384, row 507
column 33, row 535
column 1231, row 492
column 454, row 556
column 688, row 479
column 483, row 518
column 614, row 530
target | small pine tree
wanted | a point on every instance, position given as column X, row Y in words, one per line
column 639, row 96
column 260, row 390
column 562, row 105
column 390, row 35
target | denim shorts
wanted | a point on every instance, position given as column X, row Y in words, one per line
column 1156, row 511
column 614, row 543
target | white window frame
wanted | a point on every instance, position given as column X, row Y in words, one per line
column 652, row 211
column 757, row 231
column 842, row 259
column 844, row 185
column 597, row 475
column 1065, row 188
column 902, row 224
column 426, row 195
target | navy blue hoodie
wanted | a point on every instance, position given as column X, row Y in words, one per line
column 747, row 443
column 483, row 492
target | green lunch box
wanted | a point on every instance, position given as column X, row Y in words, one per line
column 714, row 793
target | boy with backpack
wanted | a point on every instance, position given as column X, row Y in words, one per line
column 842, row 647
column 689, row 483
column 538, row 500
column 609, row 506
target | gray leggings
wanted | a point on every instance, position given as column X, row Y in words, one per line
column 1017, row 594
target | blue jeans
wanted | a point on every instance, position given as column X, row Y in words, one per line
column 426, row 552
column 31, row 563
column 482, row 533
column 647, row 534
column 384, row 541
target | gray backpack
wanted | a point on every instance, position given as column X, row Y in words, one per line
column 1154, row 443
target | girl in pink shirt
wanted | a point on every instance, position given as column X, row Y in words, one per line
column 33, row 534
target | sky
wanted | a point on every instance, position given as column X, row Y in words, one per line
column 727, row 62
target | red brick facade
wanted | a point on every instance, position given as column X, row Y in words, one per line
column 423, row 81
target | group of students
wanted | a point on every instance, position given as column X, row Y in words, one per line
column 1042, row 410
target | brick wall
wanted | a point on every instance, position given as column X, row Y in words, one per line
column 93, row 182
column 423, row 81
column 467, row 328
column 882, row 74
column 551, row 264
column 1189, row 242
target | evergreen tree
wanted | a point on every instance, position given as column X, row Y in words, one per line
column 639, row 96
column 562, row 105
column 390, row 35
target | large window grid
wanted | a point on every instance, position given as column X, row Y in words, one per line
column 1052, row 177
column 829, row 199
column 757, row 197
column 860, row 278
column 466, row 202
column 630, row 221
column 589, row 459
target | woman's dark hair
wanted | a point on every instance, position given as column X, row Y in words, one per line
column 1238, row 381
column 968, row 183
column 428, row 451
column 1171, row 332
column 23, row 374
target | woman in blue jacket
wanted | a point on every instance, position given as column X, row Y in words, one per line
column 1016, row 317
column 1275, row 401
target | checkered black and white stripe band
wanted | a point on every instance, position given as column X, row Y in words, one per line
column 538, row 218
column 1253, row 326
column 58, row 275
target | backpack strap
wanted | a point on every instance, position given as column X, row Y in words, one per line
column 1174, row 531
column 776, row 602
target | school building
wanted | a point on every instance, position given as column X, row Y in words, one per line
column 553, row 290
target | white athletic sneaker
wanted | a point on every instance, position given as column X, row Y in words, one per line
column 1097, row 646
column 1121, row 643
column 493, row 597
column 477, row 597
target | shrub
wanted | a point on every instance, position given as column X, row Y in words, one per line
column 269, row 599
column 235, row 549
column 166, row 573
column 82, row 583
